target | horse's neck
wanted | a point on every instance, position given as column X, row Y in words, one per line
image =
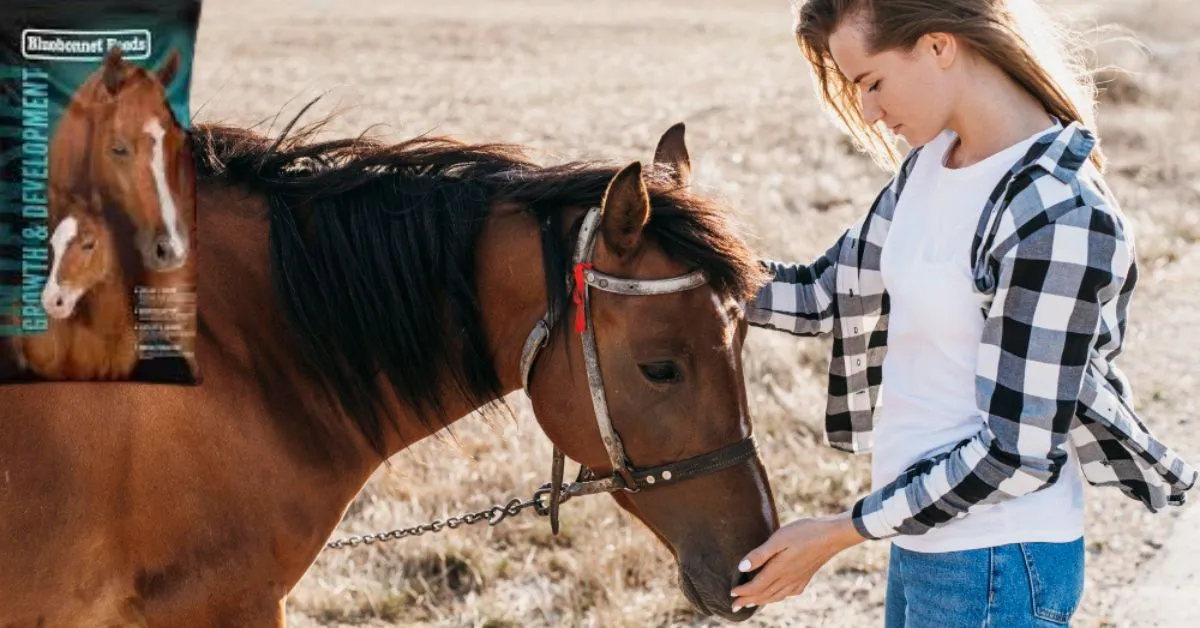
column 256, row 384
column 235, row 261
column 70, row 148
column 183, row 278
column 109, row 308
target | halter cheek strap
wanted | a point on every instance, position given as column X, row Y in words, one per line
column 625, row 476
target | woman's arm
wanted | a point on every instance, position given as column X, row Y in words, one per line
column 800, row 299
column 1053, row 287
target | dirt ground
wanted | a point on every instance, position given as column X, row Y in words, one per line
column 1164, row 592
column 602, row 80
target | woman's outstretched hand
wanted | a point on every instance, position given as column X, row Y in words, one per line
column 790, row 558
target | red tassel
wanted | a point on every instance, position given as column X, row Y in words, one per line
column 577, row 296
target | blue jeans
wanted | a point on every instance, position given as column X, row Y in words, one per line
column 1017, row 585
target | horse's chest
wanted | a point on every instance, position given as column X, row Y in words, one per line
column 99, row 356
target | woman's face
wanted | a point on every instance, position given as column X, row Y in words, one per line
column 912, row 93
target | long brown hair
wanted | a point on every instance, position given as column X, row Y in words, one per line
column 1015, row 35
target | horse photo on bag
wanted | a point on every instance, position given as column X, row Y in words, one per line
column 97, row 234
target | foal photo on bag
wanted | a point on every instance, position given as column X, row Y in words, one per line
column 97, row 191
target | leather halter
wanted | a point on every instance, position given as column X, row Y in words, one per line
column 625, row 476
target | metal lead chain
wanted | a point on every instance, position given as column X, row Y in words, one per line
column 493, row 516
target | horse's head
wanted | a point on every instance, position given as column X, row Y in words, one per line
column 84, row 256
column 671, row 371
column 140, row 159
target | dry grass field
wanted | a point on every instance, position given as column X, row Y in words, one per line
column 601, row 80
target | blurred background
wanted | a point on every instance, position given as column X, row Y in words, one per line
column 602, row 80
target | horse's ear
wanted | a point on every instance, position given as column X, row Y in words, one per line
column 626, row 209
column 170, row 67
column 113, row 70
column 672, row 152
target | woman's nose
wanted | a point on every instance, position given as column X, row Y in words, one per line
column 872, row 112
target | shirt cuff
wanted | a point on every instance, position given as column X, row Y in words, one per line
column 868, row 519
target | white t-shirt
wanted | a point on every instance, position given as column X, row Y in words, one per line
column 934, row 329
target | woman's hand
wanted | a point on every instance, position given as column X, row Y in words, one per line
column 790, row 558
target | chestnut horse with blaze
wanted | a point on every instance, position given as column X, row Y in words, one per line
column 119, row 136
column 88, row 300
column 355, row 298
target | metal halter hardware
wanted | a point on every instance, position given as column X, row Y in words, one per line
column 625, row 476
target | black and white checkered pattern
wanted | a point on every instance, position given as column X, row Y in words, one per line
column 1054, row 258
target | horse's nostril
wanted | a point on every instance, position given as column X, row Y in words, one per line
column 160, row 251
column 743, row 578
column 58, row 302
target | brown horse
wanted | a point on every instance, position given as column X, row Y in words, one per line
column 118, row 135
column 88, row 301
column 357, row 298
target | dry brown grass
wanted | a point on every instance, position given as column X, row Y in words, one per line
column 602, row 80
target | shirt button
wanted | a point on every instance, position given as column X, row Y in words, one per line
column 858, row 362
column 856, row 330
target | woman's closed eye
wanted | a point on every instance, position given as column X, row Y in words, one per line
column 874, row 86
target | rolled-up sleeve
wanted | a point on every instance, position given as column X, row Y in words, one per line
column 800, row 299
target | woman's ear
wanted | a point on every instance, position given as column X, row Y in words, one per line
column 944, row 48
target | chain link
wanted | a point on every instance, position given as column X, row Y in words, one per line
column 493, row 516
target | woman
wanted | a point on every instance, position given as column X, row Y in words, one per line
column 988, row 287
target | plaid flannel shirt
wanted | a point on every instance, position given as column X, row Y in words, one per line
column 1055, row 263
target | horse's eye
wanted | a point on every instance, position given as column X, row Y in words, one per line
column 660, row 372
column 88, row 246
column 120, row 150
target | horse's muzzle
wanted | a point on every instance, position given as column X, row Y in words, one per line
column 708, row 592
column 164, row 253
